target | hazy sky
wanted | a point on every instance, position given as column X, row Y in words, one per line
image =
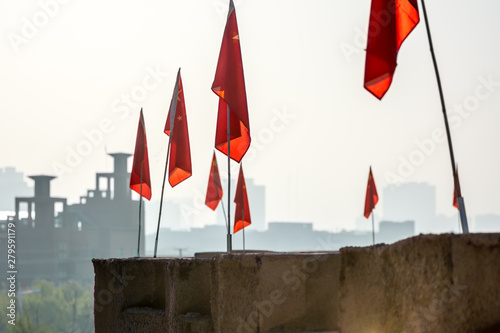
column 74, row 80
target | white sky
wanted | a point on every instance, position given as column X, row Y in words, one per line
column 301, row 58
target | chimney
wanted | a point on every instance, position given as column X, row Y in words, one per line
column 121, row 177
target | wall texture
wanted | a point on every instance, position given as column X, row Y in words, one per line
column 268, row 292
column 429, row 283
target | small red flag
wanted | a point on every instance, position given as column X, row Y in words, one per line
column 391, row 21
column 214, row 190
column 140, row 181
column 180, row 153
column 371, row 195
column 229, row 85
column 242, row 211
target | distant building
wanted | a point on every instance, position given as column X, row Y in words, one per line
column 412, row 201
column 57, row 241
column 390, row 232
column 280, row 237
column 12, row 184
column 256, row 200
column 487, row 223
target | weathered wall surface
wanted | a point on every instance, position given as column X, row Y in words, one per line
column 275, row 293
column 269, row 292
column 130, row 295
column 430, row 283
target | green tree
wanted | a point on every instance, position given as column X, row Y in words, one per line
column 66, row 309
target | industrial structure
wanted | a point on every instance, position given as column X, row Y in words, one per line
column 56, row 241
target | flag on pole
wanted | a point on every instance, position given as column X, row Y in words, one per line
column 242, row 211
column 176, row 127
column 391, row 21
column 229, row 85
column 140, row 165
column 214, row 190
column 371, row 195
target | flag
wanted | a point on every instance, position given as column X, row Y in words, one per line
column 229, row 85
column 140, row 181
column 176, row 127
column 214, row 190
column 455, row 201
column 242, row 211
column 391, row 21
column 371, row 195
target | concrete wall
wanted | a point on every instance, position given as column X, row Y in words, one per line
column 431, row 283
column 428, row 283
column 268, row 292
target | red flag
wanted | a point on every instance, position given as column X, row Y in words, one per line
column 391, row 21
column 455, row 201
column 180, row 153
column 371, row 195
column 214, row 190
column 242, row 211
column 140, row 181
column 229, row 85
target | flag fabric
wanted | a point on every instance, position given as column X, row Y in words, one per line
column 371, row 195
column 242, row 211
column 391, row 21
column 140, row 165
column 229, row 85
column 214, row 190
column 176, row 127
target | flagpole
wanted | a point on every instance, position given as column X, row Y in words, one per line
column 161, row 198
column 243, row 224
column 461, row 205
column 373, row 229
column 229, row 240
column 140, row 215
column 224, row 212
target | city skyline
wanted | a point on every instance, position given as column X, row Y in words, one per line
column 407, row 202
column 74, row 82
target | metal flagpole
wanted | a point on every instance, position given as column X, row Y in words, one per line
column 162, row 190
column 140, row 206
column 373, row 229
column 243, row 224
column 224, row 212
column 229, row 240
column 172, row 112
column 460, row 200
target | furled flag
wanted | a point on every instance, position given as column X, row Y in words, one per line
column 214, row 190
column 391, row 21
column 371, row 195
column 176, row 127
column 455, row 201
column 242, row 211
column 140, row 181
column 229, row 85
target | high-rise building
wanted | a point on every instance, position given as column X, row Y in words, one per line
column 12, row 184
column 411, row 201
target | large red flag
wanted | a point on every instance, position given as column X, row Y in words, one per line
column 180, row 153
column 229, row 85
column 371, row 195
column 242, row 211
column 391, row 21
column 214, row 190
column 140, row 181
